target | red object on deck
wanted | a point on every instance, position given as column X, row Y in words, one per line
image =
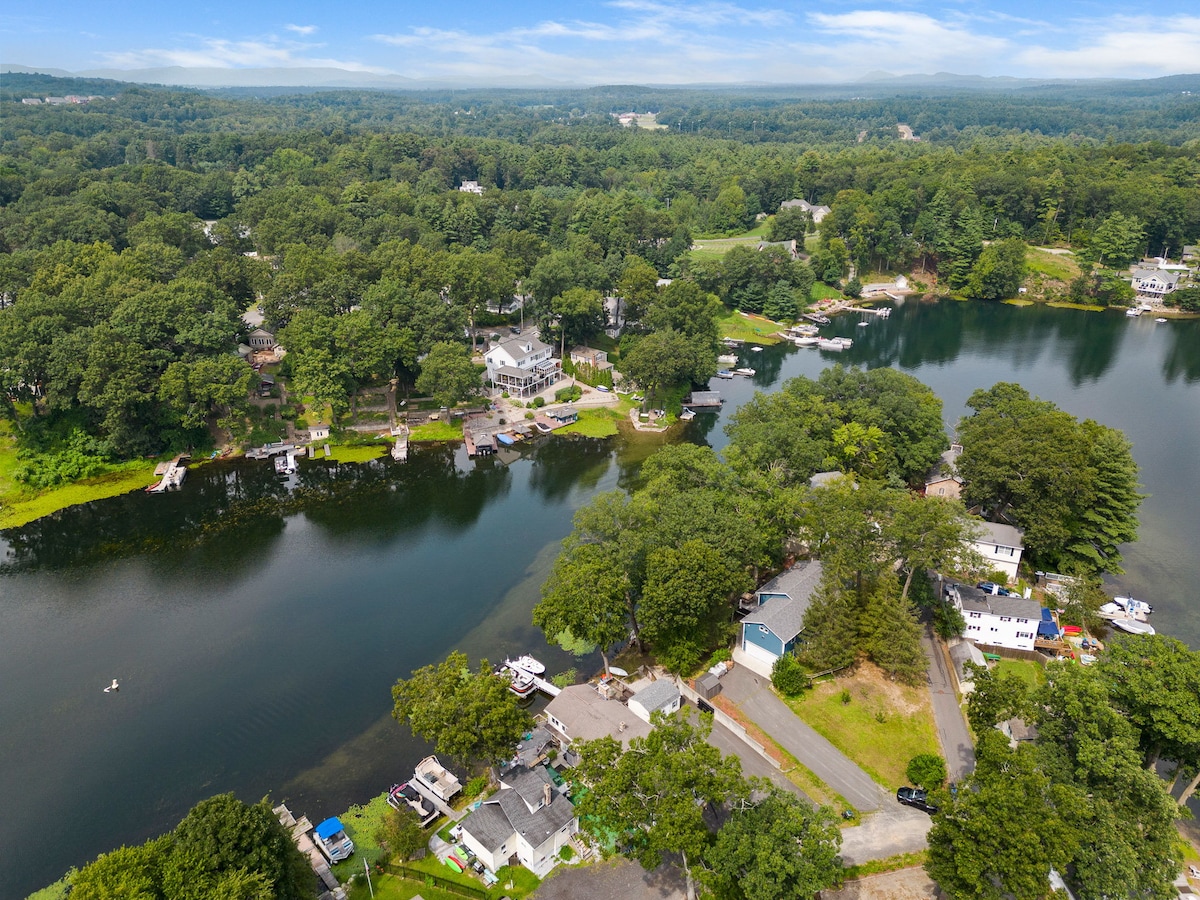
column 1072, row 629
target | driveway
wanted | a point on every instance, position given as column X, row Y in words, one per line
column 955, row 738
column 772, row 715
column 617, row 879
column 728, row 742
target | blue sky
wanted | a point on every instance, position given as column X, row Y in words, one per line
column 618, row 41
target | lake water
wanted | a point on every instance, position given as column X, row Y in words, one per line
column 257, row 627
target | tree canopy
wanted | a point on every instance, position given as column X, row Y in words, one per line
column 471, row 717
column 1071, row 486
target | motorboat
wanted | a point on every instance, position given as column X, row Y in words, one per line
column 724, row 373
column 527, row 663
column 727, row 359
column 744, row 371
column 1133, row 312
column 520, row 682
column 1133, row 626
column 1160, row 320
column 756, row 349
column 807, row 340
column 1133, row 607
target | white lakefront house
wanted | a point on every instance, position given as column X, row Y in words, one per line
column 522, row 366
column 996, row 620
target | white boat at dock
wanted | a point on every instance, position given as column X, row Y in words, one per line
column 808, row 340
column 285, row 464
column 818, row 318
column 724, row 373
column 1133, row 312
column 1136, row 608
column 728, row 359
column 835, row 343
column 748, row 372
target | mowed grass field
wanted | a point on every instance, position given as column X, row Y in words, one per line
column 884, row 725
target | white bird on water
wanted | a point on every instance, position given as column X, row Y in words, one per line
column 112, row 688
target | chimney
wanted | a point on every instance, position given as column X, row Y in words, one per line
column 546, row 794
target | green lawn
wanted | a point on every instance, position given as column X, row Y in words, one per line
column 1060, row 267
column 884, row 725
column 19, row 507
column 1032, row 673
column 362, row 822
column 822, row 291
column 355, row 453
column 436, row 431
column 597, row 423
column 749, row 327
column 524, row 883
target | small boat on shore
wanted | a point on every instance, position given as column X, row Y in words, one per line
column 748, row 372
column 727, row 359
column 724, row 373
column 1132, row 312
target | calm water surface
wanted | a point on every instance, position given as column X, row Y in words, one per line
column 256, row 627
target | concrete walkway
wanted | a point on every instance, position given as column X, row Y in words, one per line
column 754, row 697
column 953, row 734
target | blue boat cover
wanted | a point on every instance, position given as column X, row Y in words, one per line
column 329, row 828
column 1047, row 616
column 1048, row 629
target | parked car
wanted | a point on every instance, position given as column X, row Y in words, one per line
column 990, row 587
column 515, row 330
column 916, row 798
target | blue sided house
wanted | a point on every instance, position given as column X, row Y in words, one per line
column 773, row 627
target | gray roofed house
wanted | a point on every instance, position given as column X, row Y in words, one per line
column 526, row 819
column 817, row 212
column 943, row 479
column 581, row 713
column 997, row 620
column 1154, row 284
column 772, row 629
column 1000, row 546
column 659, row 696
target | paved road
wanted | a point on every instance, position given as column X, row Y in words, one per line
column 893, row 830
column 828, row 763
column 957, row 746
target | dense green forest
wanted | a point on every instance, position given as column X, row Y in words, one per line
column 340, row 213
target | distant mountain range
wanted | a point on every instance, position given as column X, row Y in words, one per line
column 318, row 77
column 180, row 76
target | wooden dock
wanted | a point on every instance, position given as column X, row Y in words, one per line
column 400, row 448
column 301, row 830
column 171, row 474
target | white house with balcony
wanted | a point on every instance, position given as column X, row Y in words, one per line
column 1000, row 546
column 522, row 366
column 1154, row 284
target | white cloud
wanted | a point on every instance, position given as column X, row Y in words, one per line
column 1121, row 47
column 222, row 53
column 302, row 29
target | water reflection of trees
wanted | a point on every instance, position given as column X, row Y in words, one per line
column 228, row 515
column 564, row 463
column 384, row 499
column 1182, row 359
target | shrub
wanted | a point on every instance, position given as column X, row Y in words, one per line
column 505, row 395
column 529, row 415
column 539, row 402
column 927, row 770
column 566, row 854
column 845, row 697
column 476, row 786
column 720, row 656
column 788, row 676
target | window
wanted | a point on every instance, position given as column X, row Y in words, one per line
column 1006, row 618
column 763, row 629
column 973, row 615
